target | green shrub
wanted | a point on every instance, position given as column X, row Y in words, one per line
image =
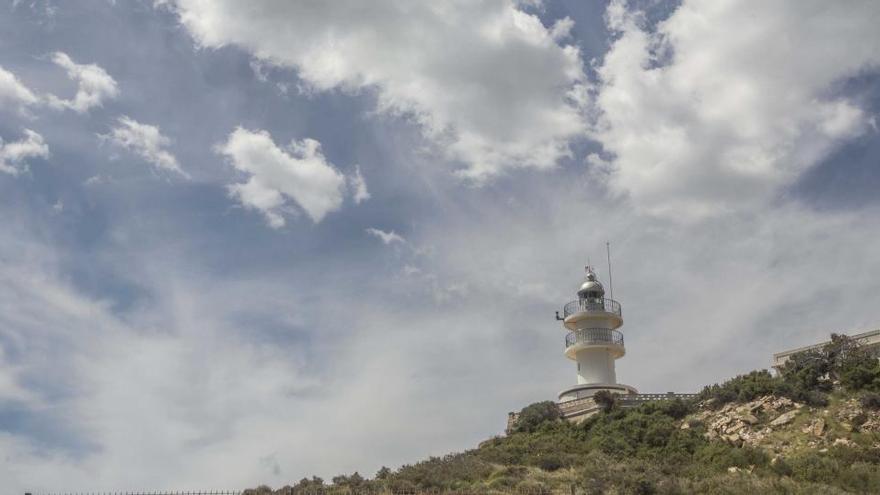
column 843, row 359
column 449, row 472
column 534, row 415
column 742, row 388
column 870, row 400
column 605, row 400
column 649, row 431
column 815, row 467
column 860, row 477
column 551, row 462
column 718, row 457
column 780, row 467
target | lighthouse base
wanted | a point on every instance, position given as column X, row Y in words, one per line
column 585, row 390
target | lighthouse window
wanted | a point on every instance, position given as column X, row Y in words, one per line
column 579, row 366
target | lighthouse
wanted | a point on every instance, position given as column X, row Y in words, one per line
column 594, row 340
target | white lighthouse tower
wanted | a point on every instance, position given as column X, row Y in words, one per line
column 594, row 340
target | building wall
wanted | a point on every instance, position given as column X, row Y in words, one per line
column 595, row 366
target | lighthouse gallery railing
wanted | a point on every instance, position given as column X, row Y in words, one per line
column 586, row 305
column 594, row 336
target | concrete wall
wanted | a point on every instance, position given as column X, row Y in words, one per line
column 595, row 366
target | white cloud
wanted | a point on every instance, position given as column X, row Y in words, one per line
column 358, row 186
column 14, row 94
column 13, row 155
column 386, row 237
column 489, row 84
column 726, row 102
column 145, row 141
column 94, row 85
column 300, row 172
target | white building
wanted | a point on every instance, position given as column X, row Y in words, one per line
column 594, row 341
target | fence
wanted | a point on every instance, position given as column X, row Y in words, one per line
column 641, row 398
column 590, row 305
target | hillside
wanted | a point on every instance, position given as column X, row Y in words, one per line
column 814, row 428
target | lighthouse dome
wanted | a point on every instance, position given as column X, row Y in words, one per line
column 591, row 286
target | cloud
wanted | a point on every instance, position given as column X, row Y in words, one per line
column 300, row 172
column 358, row 186
column 14, row 94
column 724, row 103
column 386, row 237
column 145, row 141
column 488, row 84
column 94, row 85
column 13, row 155
column 78, row 373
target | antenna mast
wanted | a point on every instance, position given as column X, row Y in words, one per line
column 610, row 280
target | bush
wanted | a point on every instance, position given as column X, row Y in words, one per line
column 648, row 431
column 807, row 376
column 860, row 371
column 551, row 463
column 811, row 466
column 870, row 400
column 742, row 388
column 450, row 472
column 842, row 360
column 534, row 415
column 718, row 456
column 605, row 400
column 306, row 485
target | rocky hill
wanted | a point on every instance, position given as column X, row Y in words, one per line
column 812, row 428
column 783, row 427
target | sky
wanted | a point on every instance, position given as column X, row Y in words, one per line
column 247, row 242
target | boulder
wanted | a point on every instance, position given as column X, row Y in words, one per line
column 734, row 439
column 784, row 418
column 817, row 428
column 721, row 422
column 749, row 419
column 735, row 427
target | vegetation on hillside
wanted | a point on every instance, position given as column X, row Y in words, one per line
column 829, row 441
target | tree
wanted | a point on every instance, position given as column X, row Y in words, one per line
column 605, row 399
column 534, row 415
column 383, row 473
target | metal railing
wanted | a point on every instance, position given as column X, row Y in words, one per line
column 588, row 305
column 634, row 400
column 591, row 336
